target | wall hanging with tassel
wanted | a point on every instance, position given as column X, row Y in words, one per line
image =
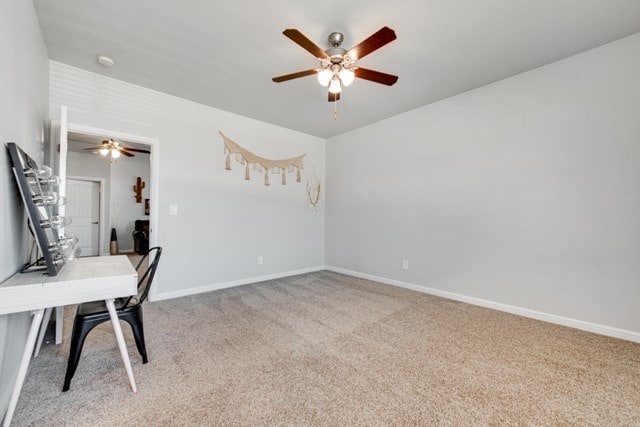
column 260, row 164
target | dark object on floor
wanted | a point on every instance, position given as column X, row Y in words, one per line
column 113, row 247
column 141, row 236
column 91, row 314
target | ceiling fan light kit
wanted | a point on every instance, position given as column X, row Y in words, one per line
column 337, row 65
column 347, row 76
column 334, row 86
column 324, row 76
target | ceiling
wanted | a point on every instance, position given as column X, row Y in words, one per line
column 224, row 54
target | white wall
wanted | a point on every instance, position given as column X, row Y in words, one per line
column 24, row 88
column 525, row 192
column 224, row 222
column 124, row 172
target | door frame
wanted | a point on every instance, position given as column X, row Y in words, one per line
column 101, row 212
column 154, row 144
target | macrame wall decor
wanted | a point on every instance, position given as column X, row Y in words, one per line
column 313, row 192
column 260, row 164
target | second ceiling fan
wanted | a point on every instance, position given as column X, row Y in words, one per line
column 337, row 65
column 110, row 146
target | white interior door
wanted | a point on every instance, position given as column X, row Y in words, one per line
column 83, row 207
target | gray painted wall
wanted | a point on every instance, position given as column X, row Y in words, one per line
column 525, row 192
column 24, row 116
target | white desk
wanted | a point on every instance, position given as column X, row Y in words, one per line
column 78, row 281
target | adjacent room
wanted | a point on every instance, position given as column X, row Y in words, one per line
column 347, row 213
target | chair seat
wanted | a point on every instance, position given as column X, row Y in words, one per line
column 99, row 307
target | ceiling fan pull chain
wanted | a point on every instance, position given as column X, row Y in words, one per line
column 335, row 110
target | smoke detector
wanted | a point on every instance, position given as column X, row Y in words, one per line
column 105, row 61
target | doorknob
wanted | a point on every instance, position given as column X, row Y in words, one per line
column 95, row 222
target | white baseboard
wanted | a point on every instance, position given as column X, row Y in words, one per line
column 233, row 283
column 533, row 314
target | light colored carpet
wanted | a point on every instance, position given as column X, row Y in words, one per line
column 327, row 349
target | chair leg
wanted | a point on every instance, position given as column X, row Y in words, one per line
column 80, row 331
column 135, row 321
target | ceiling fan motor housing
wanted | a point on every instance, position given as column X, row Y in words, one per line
column 335, row 52
column 336, row 39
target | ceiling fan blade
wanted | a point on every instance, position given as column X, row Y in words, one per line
column 98, row 147
column 136, row 150
column 305, row 43
column 125, row 152
column 374, row 42
column 334, row 97
column 376, row 76
column 296, row 75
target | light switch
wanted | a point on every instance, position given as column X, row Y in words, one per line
column 173, row 209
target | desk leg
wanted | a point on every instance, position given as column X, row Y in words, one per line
column 43, row 330
column 24, row 365
column 59, row 323
column 121, row 344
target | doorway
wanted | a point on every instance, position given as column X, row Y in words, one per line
column 61, row 155
column 124, row 206
column 58, row 153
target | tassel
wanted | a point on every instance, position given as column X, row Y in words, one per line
column 298, row 176
column 284, row 177
column 266, row 179
column 246, row 172
column 227, row 163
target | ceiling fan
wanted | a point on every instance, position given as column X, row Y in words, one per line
column 109, row 146
column 337, row 65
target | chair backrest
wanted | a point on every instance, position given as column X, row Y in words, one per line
column 145, row 279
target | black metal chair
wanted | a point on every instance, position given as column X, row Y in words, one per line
column 91, row 314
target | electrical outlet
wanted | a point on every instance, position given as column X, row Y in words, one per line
column 405, row 264
column 260, row 260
